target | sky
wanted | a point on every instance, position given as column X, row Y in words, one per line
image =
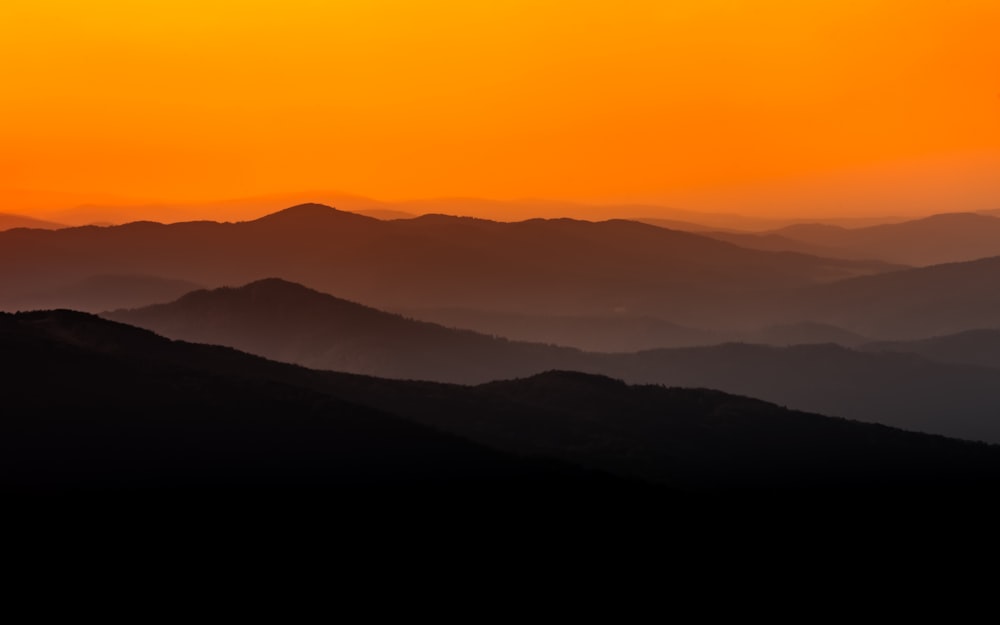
column 763, row 107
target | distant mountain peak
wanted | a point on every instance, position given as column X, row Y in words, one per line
column 271, row 289
column 274, row 283
column 308, row 212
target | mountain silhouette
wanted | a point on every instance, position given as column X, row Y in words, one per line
column 561, row 267
column 91, row 404
column 288, row 322
column 94, row 403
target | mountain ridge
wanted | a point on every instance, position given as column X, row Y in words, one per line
column 685, row 438
column 553, row 266
column 312, row 329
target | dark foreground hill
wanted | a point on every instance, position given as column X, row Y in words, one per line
column 90, row 402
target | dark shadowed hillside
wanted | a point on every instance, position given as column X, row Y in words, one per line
column 91, row 404
column 96, row 403
column 559, row 266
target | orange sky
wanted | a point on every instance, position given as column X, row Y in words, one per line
column 769, row 107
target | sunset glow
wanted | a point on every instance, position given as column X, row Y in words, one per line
column 771, row 107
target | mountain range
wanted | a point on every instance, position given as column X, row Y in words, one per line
column 687, row 287
column 98, row 404
column 563, row 267
column 876, row 383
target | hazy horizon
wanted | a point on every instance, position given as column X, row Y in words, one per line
column 74, row 209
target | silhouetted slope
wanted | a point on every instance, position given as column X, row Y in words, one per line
column 945, row 238
column 902, row 390
column 683, row 437
column 288, row 322
column 9, row 221
column 974, row 347
column 93, row 404
column 559, row 266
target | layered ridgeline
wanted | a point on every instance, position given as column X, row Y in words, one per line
column 945, row 238
column 559, row 266
column 288, row 322
column 683, row 288
column 94, row 403
column 908, row 305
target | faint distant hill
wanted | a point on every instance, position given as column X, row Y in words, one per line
column 563, row 266
column 182, row 418
column 899, row 305
column 288, row 322
column 945, row 238
column 386, row 214
column 624, row 333
column 804, row 333
column 770, row 242
column 903, row 390
column 100, row 292
column 8, row 221
column 617, row 333
column 973, row 347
